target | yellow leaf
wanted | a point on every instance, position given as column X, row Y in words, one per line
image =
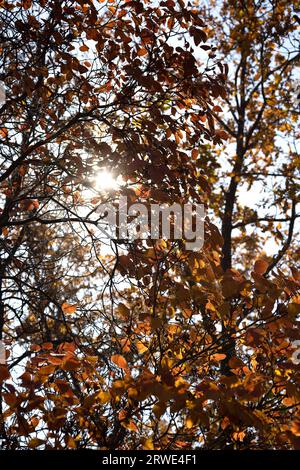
column 148, row 444
column 189, row 422
column 104, row 397
column 141, row 347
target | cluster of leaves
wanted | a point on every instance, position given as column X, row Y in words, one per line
column 145, row 345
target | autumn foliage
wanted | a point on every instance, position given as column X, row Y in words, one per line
column 113, row 344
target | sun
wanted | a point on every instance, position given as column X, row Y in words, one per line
column 105, row 180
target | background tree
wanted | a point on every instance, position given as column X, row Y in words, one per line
column 255, row 175
column 261, row 44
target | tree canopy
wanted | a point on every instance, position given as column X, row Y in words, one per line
column 144, row 344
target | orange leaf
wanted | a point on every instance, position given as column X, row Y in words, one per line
column 47, row 346
column 120, row 361
column 70, row 347
column 3, row 132
column 55, row 360
column 142, row 51
column 131, row 426
column 30, row 205
column 68, row 309
column 238, row 436
column 71, row 443
column 217, row 109
column 5, row 232
column 46, row 370
column 22, row 170
column 225, row 423
column 218, row 357
column 104, row 397
column 122, row 415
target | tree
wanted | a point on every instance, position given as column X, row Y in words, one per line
column 147, row 345
column 87, row 86
column 260, row 43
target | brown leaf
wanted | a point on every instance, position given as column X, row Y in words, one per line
column 260, row 266
column 235, row 363
column 4, row 373
column 35, row 442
